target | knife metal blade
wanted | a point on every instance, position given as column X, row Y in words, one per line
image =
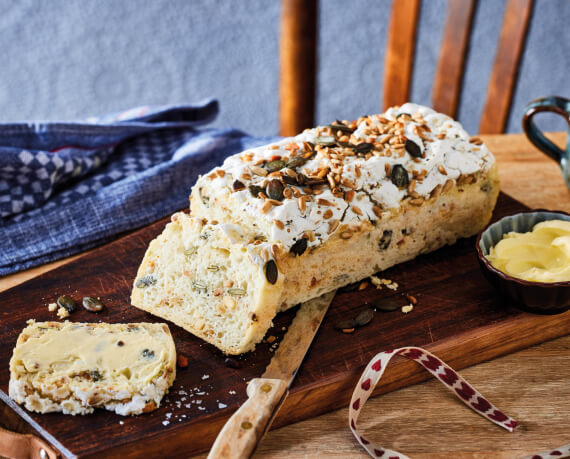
column 245, row 428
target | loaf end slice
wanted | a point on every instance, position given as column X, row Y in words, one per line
column 75, row 367
column 217, row 281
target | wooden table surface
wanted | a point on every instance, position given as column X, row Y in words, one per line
column 426, row 421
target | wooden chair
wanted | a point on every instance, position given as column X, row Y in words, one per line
column 298, row 45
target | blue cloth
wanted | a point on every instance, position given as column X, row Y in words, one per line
column 68, row 187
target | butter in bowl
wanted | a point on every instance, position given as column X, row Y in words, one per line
column 526, row 256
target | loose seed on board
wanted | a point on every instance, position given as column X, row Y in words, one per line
column 413, row 148
column 385, row 304
column 271, row 272
column 347, row 324
column 92, row 304
column 364, row 318
column 299, row 247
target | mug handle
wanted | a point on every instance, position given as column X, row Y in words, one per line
column 554, row 104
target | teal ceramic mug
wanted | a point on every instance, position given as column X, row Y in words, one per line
column 553, row 104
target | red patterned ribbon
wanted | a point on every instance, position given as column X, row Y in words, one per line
column 450, row 379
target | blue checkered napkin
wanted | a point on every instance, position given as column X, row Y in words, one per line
column 67, row 187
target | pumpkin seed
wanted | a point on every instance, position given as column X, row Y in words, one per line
column 255, row 190
column 349, row 288
column 200, row 286
column 296, row 162
column 326, row 140
column 66, row 302
column 364, row 318
column 213, row 268
column 191, row 251
column 237, row 185
column 385, row 304
column 92, row 304
column 413, row 148
column 289, row 180
column 399, row 176
column 363, row 147
column 299, row 247
column 308, row 146
column 271, row 272
column 147, row 353
column 346, row 324
column 275, row 190
column 276, row 165
column 236, row 291
column 385, row 240
column 232, row 363
column 338, row 126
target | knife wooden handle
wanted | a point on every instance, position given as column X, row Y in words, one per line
column 243, row 431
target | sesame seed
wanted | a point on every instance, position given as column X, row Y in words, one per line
column 328, row 214
column 447, row 186
column 357, row 210
column 377, row 211
column 333, row 225
column 441, row 169
column 301, row 204
column 346, row 235
column 349, row 195
column 324, row 202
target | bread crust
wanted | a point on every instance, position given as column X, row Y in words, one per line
column 338, row 214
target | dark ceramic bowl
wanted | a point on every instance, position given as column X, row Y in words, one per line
column 535, row 297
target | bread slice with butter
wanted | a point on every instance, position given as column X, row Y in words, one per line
column 75, row 367
column 289, row 221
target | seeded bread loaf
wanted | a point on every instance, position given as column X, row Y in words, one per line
column 286, row 222
column 75, row 367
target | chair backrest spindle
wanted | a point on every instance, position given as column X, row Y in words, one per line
column 298, row 48
column 398, row 64
column 455, row 41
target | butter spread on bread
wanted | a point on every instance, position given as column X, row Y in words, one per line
column 280, row 224
column 76, row 367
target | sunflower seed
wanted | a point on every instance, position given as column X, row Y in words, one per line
column 92, row 304
column 271, row 272
column 213, row 268
column 236, row 291
column 299, row 247
column 325, row 140
column 66, row 302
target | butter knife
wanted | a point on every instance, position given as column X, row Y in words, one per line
column 244, row 429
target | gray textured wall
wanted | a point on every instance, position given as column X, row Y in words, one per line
column 63, row 59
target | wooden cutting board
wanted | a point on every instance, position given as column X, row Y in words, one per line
column 458, row 316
